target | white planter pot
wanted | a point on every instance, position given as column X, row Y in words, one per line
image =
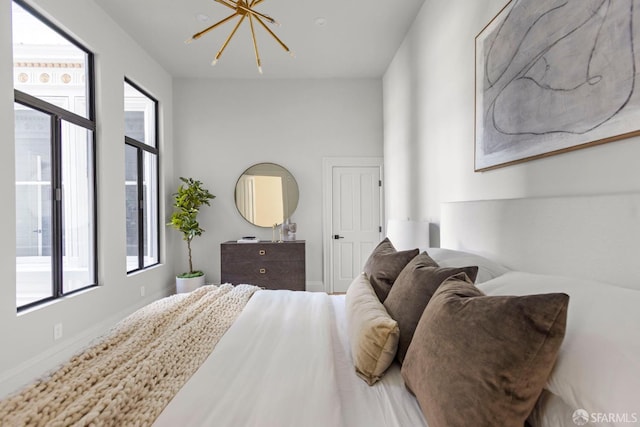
column 188, row 284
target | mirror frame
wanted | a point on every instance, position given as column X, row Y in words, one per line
column 290, row 204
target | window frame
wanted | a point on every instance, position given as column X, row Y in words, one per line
column 141, row 148
column 57, row 115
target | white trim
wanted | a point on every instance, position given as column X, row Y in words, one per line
column 328, row 163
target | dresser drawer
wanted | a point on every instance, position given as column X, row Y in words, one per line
column 262, row 251
column 270, row 275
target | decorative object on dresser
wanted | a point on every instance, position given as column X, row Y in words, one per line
column 265, row 264
column 292, row 228
column 187, row 202
column 289, row 229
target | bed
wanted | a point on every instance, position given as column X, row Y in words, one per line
column 283, row 358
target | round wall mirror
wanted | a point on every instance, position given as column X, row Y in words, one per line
column 266, row 194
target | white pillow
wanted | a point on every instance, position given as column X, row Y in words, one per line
column 598, row 365
column 551, row 411
column 487, row 269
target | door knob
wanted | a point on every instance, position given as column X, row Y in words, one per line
column 336, row 237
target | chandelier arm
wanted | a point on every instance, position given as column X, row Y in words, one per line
column 284, row 46
column 260, row 15
column 255, row 44
column 206, row 30
column 255, row 3
column 232, row 5
column 226, row 42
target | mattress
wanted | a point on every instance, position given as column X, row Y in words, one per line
column 286, row 362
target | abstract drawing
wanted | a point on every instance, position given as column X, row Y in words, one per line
column 553, row 76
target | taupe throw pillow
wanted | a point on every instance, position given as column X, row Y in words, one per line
column 412, row 291
column 384, row 265
column 483, row 360
column 373, row 334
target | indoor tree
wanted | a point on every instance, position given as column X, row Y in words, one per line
column 187, row 202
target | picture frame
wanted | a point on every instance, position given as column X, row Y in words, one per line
column 553, row 78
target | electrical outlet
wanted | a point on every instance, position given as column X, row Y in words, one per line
column 57, row 331
column 142, row 291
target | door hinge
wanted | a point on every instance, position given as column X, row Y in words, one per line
column 379, row 183
column 380, row 228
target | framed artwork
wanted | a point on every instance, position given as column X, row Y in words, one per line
column 554, row 76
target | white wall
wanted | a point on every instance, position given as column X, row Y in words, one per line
column 224, row 126
column 27, row 342
column 429, row 127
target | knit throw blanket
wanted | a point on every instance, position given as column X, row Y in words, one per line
column 130, row 375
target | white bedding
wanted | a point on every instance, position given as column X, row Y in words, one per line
column 286, row 362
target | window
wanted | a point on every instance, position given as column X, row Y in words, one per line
column 54, row 160
column 141, row 177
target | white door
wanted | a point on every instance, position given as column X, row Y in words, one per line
column 356, row 220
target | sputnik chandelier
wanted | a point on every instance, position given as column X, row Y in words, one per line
column 242, row 9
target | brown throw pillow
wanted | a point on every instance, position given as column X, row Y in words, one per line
column 412, row 291
column 483, row 360
column 384, row 265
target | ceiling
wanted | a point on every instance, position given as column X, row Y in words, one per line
column 358, row 39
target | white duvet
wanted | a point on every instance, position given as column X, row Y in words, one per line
column 286, row 362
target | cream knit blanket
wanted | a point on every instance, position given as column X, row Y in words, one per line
column 130, row 375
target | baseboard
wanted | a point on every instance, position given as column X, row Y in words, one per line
column 31, row 369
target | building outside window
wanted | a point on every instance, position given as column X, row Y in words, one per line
column 54, row 160
column 141, row 177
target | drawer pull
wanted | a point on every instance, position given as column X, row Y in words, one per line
column 262, row 252
column 263, row 271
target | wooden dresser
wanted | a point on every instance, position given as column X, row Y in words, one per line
column 267, row 264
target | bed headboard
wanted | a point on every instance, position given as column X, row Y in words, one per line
column 593, row 237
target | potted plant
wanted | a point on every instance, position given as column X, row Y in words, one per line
column 187, row 202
